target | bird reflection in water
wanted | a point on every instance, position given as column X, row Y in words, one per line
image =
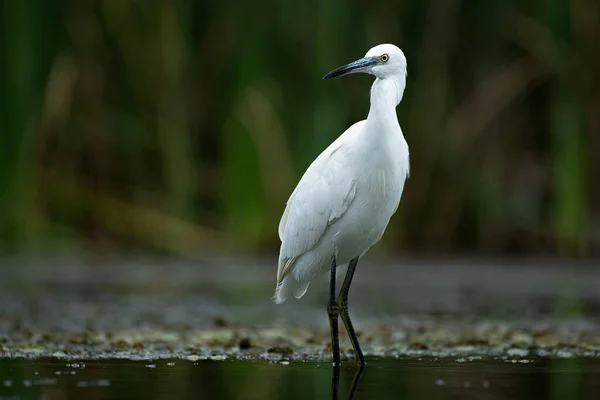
column 335, row 381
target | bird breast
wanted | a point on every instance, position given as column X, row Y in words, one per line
column 380, row 180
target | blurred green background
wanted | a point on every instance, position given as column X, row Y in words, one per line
column 183, row 126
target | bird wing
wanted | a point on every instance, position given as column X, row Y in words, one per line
column 321, row 198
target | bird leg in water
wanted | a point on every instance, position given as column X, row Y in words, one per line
column 342, row 302
column 335, row 383
column 356, row 381
column 333, row 311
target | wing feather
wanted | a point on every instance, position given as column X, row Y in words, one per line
column 322, row 196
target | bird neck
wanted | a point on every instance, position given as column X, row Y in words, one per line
column 387, row 92
column 385, row 96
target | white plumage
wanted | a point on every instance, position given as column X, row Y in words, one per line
column 344, row 201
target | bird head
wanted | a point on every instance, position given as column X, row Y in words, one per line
column 383, row 61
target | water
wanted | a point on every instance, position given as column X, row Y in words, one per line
column 411, row 378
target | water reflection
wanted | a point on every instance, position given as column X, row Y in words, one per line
column 409, row 379
column 336, row 381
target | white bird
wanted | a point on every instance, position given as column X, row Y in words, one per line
column 344, row 201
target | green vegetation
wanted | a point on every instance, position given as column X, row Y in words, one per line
column 183, row 126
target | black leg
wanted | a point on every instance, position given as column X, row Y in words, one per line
column 335, row 384
column 333, row 312
column 342, row 302
column 355, row 382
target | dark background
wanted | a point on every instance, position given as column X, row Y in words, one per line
column 182, row 126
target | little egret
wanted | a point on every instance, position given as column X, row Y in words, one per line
column 345, row 199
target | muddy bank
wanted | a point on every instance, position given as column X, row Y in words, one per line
column 221, row 309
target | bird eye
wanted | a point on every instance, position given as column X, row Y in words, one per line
column 385, row 58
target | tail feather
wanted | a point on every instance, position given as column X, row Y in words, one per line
column 301, row 291
column 288, row 287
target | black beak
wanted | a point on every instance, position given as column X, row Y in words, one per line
column 356, row 66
